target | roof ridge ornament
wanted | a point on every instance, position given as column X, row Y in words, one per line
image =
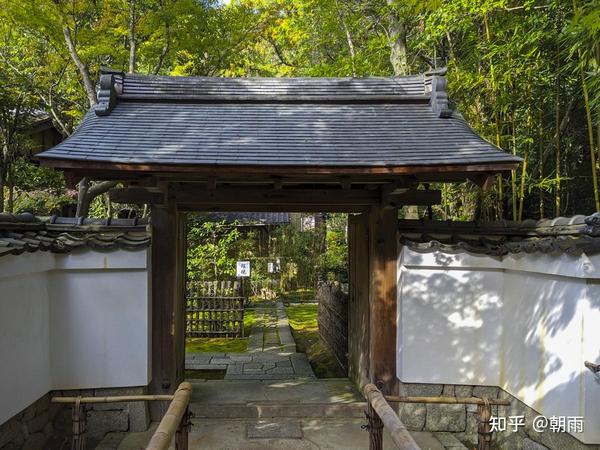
column 439, row 96
column 109, row 91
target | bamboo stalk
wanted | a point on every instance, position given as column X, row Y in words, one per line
column 161, row 439
column 513, row 173
column 522, row 185
column 590, row 127
column 447, row 400
column 113, row 399
column 390, row 419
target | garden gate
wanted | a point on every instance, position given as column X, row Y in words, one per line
column 214, row 309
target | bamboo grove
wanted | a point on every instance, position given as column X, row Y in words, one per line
column 525, row 74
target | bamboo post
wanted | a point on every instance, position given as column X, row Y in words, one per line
column 78, row 417
column 389, row 418
column 172, row 419
column 182, row 434
column 484, row 429
column 375, row 429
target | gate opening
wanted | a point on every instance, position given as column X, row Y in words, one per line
column 266, row 295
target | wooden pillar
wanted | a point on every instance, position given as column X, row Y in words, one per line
column 167, row 303
column 383, row 257
column 358, row 304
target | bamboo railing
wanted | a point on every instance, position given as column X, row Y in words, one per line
column 176, row 420
column 380, row 414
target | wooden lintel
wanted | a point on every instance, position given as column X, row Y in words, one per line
column 389, row 189
column 136, row 196
column 211, row 183
column 233, row 207
column 399, row 198
column 268, row 198
column 346, row 183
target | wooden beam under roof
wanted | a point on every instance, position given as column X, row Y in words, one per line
column 276, row 170
column 190, row 196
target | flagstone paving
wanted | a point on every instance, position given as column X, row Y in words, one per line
column 271, row 353
column 277, row 434
column 271, row 399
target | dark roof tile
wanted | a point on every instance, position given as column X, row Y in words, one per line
column 563, row 234
column 62, row 235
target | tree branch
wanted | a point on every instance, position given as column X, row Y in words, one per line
column 89, row 87
column 164, row 51
column 88, row 192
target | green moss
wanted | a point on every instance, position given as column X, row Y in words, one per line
column 205, row 374
column 298, row 296
column 211, row 345
column 303, row 322
column 223, row 345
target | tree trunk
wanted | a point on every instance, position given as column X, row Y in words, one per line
column 88, row 192
column 132, row 40
column 10, row 182
column 348, row 37
column 164, row 51
column 88, row 85
column 397, row 37
column 2, row 182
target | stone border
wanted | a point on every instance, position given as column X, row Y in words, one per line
column 49, row 426
column 462, row 420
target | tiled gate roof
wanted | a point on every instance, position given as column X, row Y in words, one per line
column 319, row 122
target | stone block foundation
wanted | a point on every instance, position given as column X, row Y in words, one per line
column 462, row 420
column 48, row 426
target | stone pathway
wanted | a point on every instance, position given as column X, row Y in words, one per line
column 271, row 399
column 271, row 353
column 286, row 434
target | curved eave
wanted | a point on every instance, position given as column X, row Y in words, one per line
column 441, row 171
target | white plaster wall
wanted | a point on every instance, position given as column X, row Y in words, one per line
column 525, row 323
column 72, row 321
column 24, row 342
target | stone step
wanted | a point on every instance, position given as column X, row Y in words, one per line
column 277, row 410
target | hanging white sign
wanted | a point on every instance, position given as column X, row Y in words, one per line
column 243, row 268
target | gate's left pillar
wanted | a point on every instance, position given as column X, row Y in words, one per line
column 167, row 274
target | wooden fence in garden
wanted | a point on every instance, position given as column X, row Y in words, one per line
column 214, row 309
column 333, row 320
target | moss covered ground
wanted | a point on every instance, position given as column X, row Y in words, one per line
column 223, row 345
column 303, row 322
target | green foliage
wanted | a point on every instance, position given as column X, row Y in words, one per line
column 305, row 256
column 211, row 253
column 305, row 329
column 517, row 71
column 332, row 264
column 41, row 202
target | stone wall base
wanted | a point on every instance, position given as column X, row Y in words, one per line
column 462, row 421
column 48, row 426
